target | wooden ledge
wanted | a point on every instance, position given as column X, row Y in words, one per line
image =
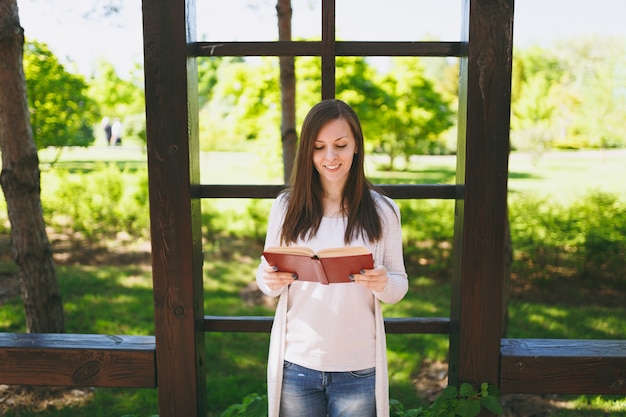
column 563, row 366
column 77, row 360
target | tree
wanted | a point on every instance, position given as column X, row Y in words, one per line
column 596, row 69
column 207, row 77
column 61, row 113
column 120, row 98
column 243, row 106
column 536, row 96
column 20, row 181
column 570, row 95
column 413, row 113
column 288, row 134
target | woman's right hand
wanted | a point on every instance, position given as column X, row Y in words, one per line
column 275, row 279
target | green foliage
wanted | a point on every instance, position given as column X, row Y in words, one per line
column 120, row 98
column 462, row 402
column 413, row 114
column 603, row 224
column 102, row 203
column 536, row 97
column 253, row 405
column 589, row 235
column 116, row 96
column 61, row 112
column 596, row 68
column 243, row 104
column 570, row 95
column 207, row 76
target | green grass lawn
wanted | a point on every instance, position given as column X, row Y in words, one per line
column 117, row 298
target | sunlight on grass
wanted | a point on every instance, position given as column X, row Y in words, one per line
column 12, row 316
column 534, row 320
column 576, row 173
column 604, row 403
column 238, row 168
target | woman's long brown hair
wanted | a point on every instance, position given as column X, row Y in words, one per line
column 304, row 210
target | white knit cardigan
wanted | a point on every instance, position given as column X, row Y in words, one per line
column 394, row 291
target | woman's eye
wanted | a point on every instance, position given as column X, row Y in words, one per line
column 341, row 146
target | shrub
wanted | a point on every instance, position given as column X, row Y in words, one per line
column 588, row 237
column 96, row 204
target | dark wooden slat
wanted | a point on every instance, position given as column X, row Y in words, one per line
column 172, row 150
column 78, row 360
column 557, row 366
column 235, row 324
column 278, row 48
column 433, row 49
column 315, row 48
column 418, row 325
column 328, row 49
column 236, row 191
column 395, row 191
column 482, row 166
column 263, row 324
column 424, row 191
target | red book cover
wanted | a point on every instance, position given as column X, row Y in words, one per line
column 328, row 266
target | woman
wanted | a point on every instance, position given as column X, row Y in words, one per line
column 327, row 349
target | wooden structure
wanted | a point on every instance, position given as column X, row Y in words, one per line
column 172, row 361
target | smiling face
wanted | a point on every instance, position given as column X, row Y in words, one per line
column 333, row 152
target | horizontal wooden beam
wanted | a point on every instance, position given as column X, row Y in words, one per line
column 263, row 324
column 395, row 191
column 418, row 325
column 562, row 366
column 315, row 48
column 77, row 360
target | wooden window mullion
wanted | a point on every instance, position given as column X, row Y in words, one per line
column 328, row 49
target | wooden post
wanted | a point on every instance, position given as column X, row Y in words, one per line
column 171, row 122
column 482, row 167
column 328, row 49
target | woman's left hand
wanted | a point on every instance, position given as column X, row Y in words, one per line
column 373, row 279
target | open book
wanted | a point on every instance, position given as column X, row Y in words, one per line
column 328, row 266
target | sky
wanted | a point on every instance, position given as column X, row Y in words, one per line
column 80, row 41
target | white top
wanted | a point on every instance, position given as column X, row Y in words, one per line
column 337, row 327
column 330, row 327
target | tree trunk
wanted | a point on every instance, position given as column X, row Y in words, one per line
column 288, row 133
column 21, row 184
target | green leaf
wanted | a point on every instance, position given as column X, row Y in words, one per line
column 494, row 391
column 397, row 405
column 467, row 408
column 467, row 390
column 257, row 408
column 449, row 392
column 492, row 404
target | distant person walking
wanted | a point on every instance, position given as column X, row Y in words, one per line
column 106, row 125
column 116, row 132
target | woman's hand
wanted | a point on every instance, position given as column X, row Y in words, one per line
column 373, row 279
column 274, row 279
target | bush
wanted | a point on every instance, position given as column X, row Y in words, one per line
column 97, row 204
column 586, row 238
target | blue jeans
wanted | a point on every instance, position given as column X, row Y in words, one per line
column 310, row 393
